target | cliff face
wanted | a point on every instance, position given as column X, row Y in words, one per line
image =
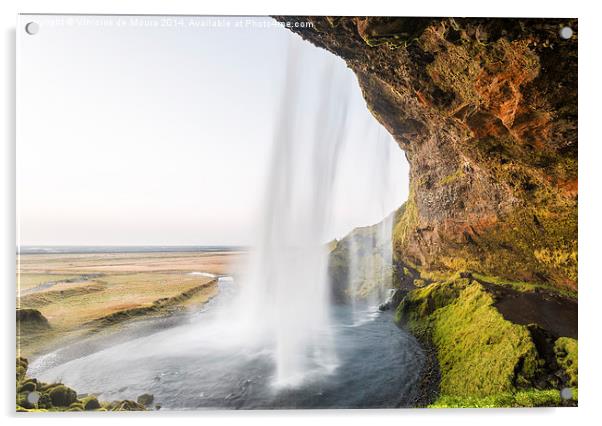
column 486, row 112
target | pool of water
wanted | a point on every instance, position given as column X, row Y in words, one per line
column 194, row 363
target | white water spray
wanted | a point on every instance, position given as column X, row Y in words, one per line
column 287, row 294
column 370, row 257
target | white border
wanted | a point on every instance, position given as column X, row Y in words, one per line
column 589, row 238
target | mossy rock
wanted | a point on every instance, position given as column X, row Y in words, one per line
column 22, row 362
column 90, row 403
column 44, row 401
column 28, row 386
column 78, row 405
column 565, row 350
column 146, row 399
column 126, row 405
column 23, row 401
column 62, row 396
column 75, row 408
column 58, row 397
column 22, row 365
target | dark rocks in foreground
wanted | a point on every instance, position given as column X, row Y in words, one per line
column 33, row 395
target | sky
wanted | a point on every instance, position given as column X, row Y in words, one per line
column 160, row 130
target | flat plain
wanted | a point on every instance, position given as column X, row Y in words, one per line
column 64, row 297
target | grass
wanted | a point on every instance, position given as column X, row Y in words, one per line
column 122, row 283
column 215, row 262
column 108, row 295
column 30, row 280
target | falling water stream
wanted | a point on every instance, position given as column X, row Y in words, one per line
column 274, row 339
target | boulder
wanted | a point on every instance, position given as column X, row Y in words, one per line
column 62, row 396
column 394, row 297
column 90, row 403
column 146, row 399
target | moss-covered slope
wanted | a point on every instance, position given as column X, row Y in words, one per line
column 487, row 115
column 484, row 359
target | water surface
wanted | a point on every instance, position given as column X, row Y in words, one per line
column 196, row 362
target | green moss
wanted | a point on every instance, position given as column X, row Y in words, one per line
column 90, row 403
column 20, row 373
column 58, row 397
column 565, row 350
column 125, row 405
column 76, row 406
column 523, row 286
column 529, row 245
column 449, row 179
column 406, row 221
column 22, row 400
column 420, row 303
column 21, row 368
column 28, row 386
column 62, row 396
column 479, row 352
column 527, row 398
column 419, row 282
column 537, row 240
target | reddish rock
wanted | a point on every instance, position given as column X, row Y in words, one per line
column 486, row 111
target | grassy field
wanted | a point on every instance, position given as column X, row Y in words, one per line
column 30, row 281
column 82, row 293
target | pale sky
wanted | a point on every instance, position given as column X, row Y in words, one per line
column 135, row 131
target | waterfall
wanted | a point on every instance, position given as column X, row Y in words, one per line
column 286, row 295
column 369, row 254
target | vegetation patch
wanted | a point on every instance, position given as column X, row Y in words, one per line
column 451, row 178
column 35, row 396
column 159, row 306
column 523, row 286
column 525, row 398
column 406, row 219
column 32, row 320
column 565, row 350
column 484, row 359
column 479, row 352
